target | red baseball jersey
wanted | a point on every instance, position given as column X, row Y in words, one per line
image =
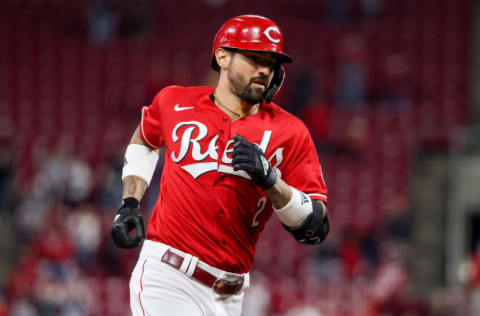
column 206, row 208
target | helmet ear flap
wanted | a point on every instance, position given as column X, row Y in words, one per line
column 276, row 84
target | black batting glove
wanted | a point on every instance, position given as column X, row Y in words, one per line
column 128, row 219
column 251, row 159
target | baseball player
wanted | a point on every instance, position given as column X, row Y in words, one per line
column 233, row 157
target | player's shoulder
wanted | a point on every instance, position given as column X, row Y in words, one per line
column 283, row 117
column 177, row 91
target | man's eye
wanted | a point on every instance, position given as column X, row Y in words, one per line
column 260, row 61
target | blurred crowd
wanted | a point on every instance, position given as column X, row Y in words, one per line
column 65, row 260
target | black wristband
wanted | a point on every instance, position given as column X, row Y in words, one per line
column 130, row 202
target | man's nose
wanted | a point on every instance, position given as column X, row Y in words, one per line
column 264, row 70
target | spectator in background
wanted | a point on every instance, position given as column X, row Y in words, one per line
column 64, row 294
column 79, row 181
column 337, row 11
column 355, row 139
column 6, row 170
column 450, row 301
column 399, row 219
column 63, row 177
column 60, row 179
column 102, row 21
column 84, row 227
column 317, row 110
column 215, row 3
column 352, row 76
column 23, row 307
column 351, row 255
column 394, row 88
column 22, row 275
column 340, row 12
column 301, row 91
column 110, row 190
column 391, row 280
column 476, row 280
column 469, row 274
column 52, row 242
column 158, row 76
column 3, row 305
column 135, row 17
column 42, row 270
column 476, row 266
column 369, row 243
column 303, row 311
column 317, row 116
column 371, row 9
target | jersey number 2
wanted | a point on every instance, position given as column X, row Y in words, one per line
column 262, row 202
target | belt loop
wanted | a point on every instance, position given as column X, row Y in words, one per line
column 246, row 282
column 185, row 263
column 164, row 250
column 192, row 266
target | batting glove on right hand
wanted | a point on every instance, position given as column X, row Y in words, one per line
column 128, row 219
column 250, row 158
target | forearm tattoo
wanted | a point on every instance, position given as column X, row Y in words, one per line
column 134, row 187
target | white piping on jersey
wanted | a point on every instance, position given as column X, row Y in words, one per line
column 143, row 132
column 317, row 194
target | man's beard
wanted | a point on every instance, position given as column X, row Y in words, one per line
column 247, row 92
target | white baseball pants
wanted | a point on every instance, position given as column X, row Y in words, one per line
column 157, row 289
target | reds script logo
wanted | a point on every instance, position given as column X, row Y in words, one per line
column 187, row 142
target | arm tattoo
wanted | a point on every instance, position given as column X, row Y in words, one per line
column 129, row 187
column 134, row 187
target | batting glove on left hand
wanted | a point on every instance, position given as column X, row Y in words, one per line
column 128, row 219
column 250, row 158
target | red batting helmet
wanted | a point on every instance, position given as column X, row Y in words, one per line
column 250, row 32
column 255, row 33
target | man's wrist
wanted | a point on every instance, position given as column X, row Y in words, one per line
column 296, row 210
column 130, row 202
column 270, row 180
column 280, row 194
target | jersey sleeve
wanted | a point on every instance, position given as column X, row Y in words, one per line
column 302, row 169
column 151, row 123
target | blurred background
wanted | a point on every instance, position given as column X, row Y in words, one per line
column 390, row 90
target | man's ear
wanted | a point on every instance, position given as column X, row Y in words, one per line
column 223, row 57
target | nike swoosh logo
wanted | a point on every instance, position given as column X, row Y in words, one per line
column 178, row 108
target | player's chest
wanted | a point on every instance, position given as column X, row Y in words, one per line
column 202, row 141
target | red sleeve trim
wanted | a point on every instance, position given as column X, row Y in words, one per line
column 142, row 133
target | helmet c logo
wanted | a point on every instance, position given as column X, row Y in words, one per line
column 268, row 31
